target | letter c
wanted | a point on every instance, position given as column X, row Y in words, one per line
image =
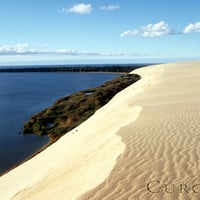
column 194, row 188
column 153, row 184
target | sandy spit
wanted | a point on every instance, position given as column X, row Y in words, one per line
column 144, row 144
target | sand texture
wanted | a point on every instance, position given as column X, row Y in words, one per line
column 144, row 144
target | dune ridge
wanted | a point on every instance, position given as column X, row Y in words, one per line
column 81, row 159
column 161, row 159
column 143, row 144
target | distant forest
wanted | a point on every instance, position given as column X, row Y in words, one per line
column 118, row 69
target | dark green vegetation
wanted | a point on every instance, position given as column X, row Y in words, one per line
column 114, row 68
column 68, row 112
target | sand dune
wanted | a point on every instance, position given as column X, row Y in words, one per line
column 144, row 144
column 162, row 156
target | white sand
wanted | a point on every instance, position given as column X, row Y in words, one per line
column 118, row 152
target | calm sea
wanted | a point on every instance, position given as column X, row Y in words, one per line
column 24, row 94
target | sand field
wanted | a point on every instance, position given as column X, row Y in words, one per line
column 144, row 144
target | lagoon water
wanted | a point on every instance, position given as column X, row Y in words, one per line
column 22, row 95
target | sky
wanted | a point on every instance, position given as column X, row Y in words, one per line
column 94, row 31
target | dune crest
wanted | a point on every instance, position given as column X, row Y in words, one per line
column 80, row 160
column 143, row 144
column 161, row 160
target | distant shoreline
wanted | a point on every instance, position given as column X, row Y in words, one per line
column 93, row 68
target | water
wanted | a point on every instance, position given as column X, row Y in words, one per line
column 22, row 95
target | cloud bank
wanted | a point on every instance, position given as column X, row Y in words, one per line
column 18, row 49
column 28, row 50
column 150, row 30
column 83, row 8
column 160, row 29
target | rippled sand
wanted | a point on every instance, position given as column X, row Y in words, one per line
column 162, row 156
column 144, row 144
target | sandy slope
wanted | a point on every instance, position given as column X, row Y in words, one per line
column 162, row 145
column 80, row 160
column 115, row 154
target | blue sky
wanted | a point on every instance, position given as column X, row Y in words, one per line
column 106, row 31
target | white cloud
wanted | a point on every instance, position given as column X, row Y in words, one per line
column 150, row 30
column 72, row 52
column 192, row 28
column 80, row 9
column 129, row 33
column 18, row 49
column 110, row 7
column 30, row 50
column 156, row 30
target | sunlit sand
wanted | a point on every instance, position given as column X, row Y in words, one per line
column 143, row 144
